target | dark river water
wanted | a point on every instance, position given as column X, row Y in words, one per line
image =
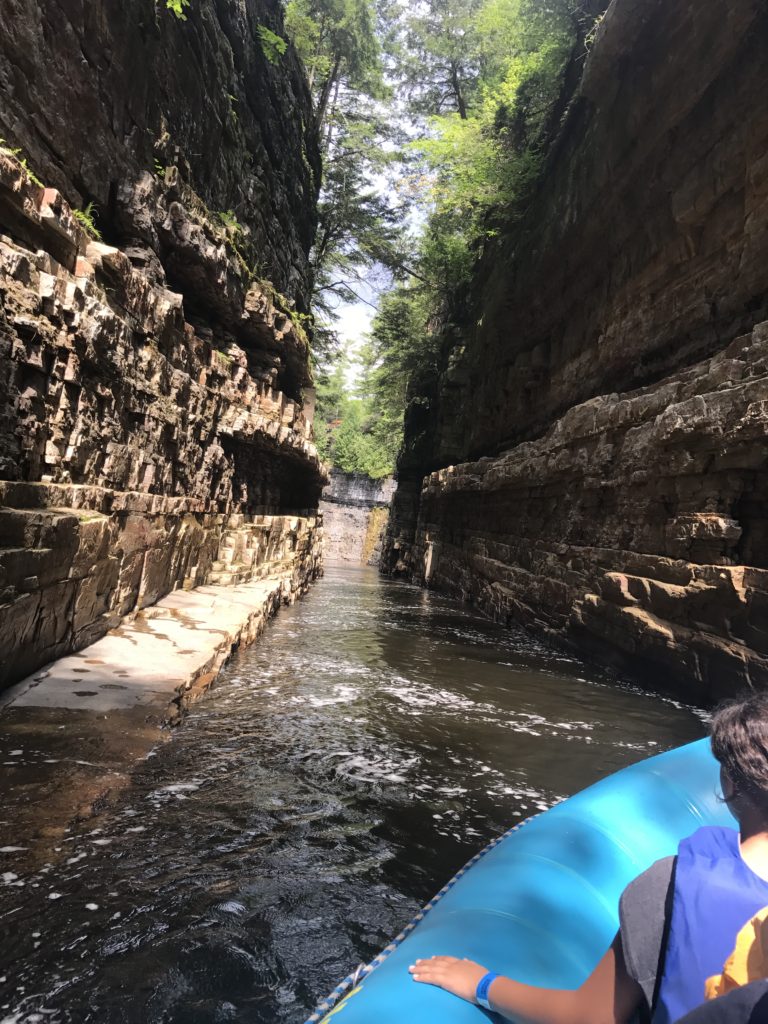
column 340, row 772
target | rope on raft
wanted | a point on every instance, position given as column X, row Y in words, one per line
column 363, row 970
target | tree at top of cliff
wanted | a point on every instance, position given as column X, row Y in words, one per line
column 482, row 153
column 341, row 43
column 337, row 41
column 439, row 58
column 478, row 80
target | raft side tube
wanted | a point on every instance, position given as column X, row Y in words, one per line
column 541, row 905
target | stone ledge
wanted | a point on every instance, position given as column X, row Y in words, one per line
column 157, row 658
column 91, row 716
column 68, row 576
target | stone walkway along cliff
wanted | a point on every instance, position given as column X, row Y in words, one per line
column 100, row 710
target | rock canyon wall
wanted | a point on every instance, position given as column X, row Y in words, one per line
column 605, row 480
column 153, row 382
column 355, row 509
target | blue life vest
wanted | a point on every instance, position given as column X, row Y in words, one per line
column 715, row 895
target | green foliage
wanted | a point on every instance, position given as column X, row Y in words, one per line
column 178, row 7
column 23, row 161
column 229, row 219
column 303, row 29
column 329, row 408
column 86, row 220
column 358, row 226
column 353, row 444
column 440, row 57
column 273, row 46
column 30, row 173
column 362, row 432
column 483, row 157
column 337, row 41
column 401, row 346
column 479, row 81
column 591, row 36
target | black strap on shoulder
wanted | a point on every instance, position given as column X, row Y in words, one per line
column 668, row 900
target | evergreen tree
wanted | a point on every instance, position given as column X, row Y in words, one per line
column 440, row 58
column 338, row 43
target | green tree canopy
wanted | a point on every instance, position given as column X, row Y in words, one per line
column 476, row 81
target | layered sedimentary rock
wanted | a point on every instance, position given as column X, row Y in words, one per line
column 102, row 97
column 355, row 509
column 592, row 457
column 152, row 425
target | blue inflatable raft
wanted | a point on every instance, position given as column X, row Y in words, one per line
column 540, row 904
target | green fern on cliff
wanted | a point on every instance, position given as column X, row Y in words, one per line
column 178, row 8
column 86, row 220
column 23, row 161
column 273, row 46
column 30, row 173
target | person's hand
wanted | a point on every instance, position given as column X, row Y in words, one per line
column 457, row 976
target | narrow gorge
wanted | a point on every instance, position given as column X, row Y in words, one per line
column 383, row 471
column 590, row 458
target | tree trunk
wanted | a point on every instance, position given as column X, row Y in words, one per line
column 326, row 148
column 456, row 86
column 325, row 94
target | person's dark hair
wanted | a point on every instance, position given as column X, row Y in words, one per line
column 739, row 735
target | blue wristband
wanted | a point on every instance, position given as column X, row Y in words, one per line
column 481, row 992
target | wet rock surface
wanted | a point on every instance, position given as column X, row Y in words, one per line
column 599, row 429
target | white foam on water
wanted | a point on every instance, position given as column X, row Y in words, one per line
column 231, row 907
column 339, row 694
column 177, row 790
column 370, row 769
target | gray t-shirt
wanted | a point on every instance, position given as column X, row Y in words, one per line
column 644, row 910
